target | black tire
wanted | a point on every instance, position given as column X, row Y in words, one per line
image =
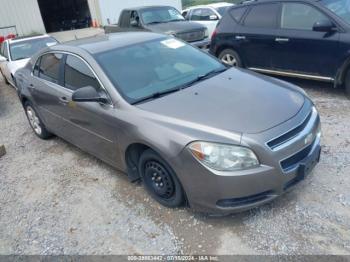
column 160, row 180
column 347, row 84
column 235, row 58
column 35, row 122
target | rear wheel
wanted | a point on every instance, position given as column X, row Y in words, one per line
column 35, row 121
column 160, row 180
column 230, row 58
column 347, row 84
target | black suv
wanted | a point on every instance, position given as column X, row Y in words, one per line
column 305, row 38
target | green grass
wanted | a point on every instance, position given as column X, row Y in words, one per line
column 187, row 3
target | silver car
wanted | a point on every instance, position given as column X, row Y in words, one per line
column 196, row 133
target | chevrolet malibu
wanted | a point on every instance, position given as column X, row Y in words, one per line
column 193, row 131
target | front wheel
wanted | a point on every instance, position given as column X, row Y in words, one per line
column 160, row 180
column 230, row 57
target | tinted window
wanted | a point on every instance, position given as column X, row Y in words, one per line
column 300, row 16
column 77, row 74
column 143, row 69
column 50, row 67
column 264, row 15
column 237, row 13
column 184, row 14
column 202, row 14
column 36, row 67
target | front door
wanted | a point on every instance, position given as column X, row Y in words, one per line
column 299, row 49
column 89, row 125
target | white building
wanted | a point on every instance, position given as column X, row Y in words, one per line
column 24, row 17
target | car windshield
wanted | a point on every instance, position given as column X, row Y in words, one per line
column 340, row 7
column 160, row 15
column 26, row 48
column 156, row 67
column 221, row 10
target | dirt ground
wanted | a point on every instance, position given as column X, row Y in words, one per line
column 55, row 199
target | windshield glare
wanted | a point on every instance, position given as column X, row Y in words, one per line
column 160, row 15
column 153, row 67
column 25, row 49
column 340, row 7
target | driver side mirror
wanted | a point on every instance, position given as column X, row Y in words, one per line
column 213, row 17
column 324, row 26
column 3, row 59
column 89, row 94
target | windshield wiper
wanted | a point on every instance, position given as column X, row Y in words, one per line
column 156, row 22
column 203, row 77
column 156, row 95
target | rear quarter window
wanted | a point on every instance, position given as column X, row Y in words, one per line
column 262, row 16
column 237, row 13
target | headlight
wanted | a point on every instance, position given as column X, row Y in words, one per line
column 223, row 157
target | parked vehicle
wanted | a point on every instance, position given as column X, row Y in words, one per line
column 306, row 39
column 207, row 15
column 161, row 19
column 15, row 53
column 196, row 132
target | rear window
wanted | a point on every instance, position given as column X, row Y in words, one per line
column 237, row 13
column 262, row 16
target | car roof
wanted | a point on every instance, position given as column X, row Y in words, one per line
column 26, row 38
column 138, row 8
column 102, row 43
column 214, row 5
column 248, row 2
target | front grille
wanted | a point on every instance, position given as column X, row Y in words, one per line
column 293, row 161
column 289, row 135
column 233, row 202
column 192, row 36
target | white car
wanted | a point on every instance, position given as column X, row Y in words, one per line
column 208, row 15
column 15, row 53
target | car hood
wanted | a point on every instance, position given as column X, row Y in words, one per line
column 18, row 64
column 236, row 100
column 175, row 27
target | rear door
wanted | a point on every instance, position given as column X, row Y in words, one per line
column 257, row 35
column 46, row 89
column 298, row 48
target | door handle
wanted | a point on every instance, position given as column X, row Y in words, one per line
column 240, row 37
column 280, row 40
column 63, row 100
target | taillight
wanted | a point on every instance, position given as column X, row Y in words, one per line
column 214, row 33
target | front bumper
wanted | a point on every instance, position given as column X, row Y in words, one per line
column 229, row 192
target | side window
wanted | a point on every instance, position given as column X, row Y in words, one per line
column 300, row 16
column 36, row 67
column 77, row 74
column 262, row 16
column 50, row 67
column 134, row 19
column 237, row 13
column 6, row 53
column 202, row 14
column 185, row 14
